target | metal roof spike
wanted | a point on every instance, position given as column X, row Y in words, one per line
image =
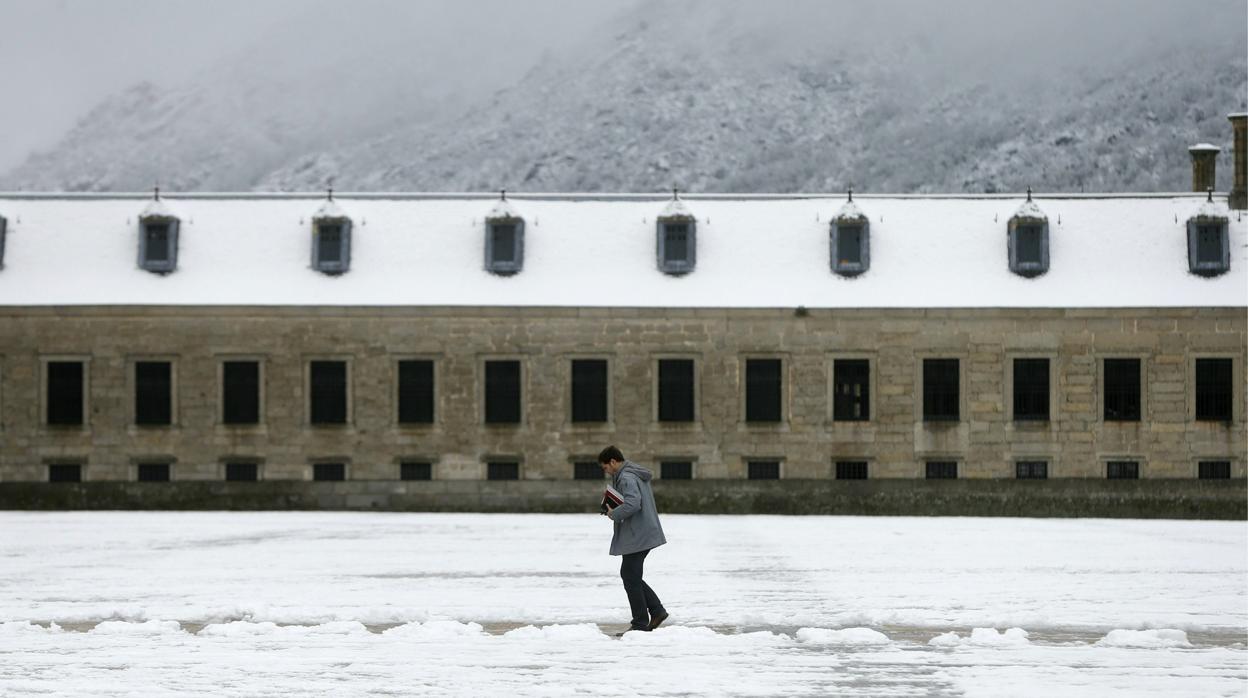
column 851, row 193
column 502, row 193
column 1029, row 193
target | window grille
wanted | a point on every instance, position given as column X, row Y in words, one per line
column 1214, row 470
column 851, row 396
column 331, row 245
column 587, row 470
column 676, row 390
column 589, row 390
column 851, row 246
column 415, row 470
column 1031, row 390
column 65, row 472
column 503, row 470
column 851, row 470
column 504, row 245
column 763, row 386
column 242, row 472
column 940, row 390
column 240, row 392
column 416, row 396
column 328, row 392
column 153, row 472
column 942, row 470
column 1029, row 247
column 153, row 393
column 1122, row 470
column 329, row 472
column 1208, row 247
column 676, row 470
column 1122, row 390
column 677, row 245
column 1213, row 390
column 763, row 470
column 65, row 393
column 1032, row 470
column 158, row 244
column 502, row 392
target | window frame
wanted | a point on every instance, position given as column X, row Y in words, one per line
column 871, row 386
column 222, row 360
column 62, row 463
column 753, row 461
column 314, row 462
column 1019, row 464
column 570, row 393
column 577, row 462
column 1194, row 395
column 504, row 267
column 489, row 462
column 1027, row 269
column 225, row 463
column 137, row 466
column 1205, row 470
column 45, row 400
column 928, row 469
column 846, row 463
column 678, row 460
column 676, row 267
column 849, row 269
column 396, row 393
column 402, row 462
column 170, row 263
column 1194, row 265
column 349, row 421
column 921, row 402
column 1009, row 386
column 132, row 384
column 657, row 386
column 784, row 388
column 343, row 264
column 1109, row 461
column 484, row 388
column 1102, row 398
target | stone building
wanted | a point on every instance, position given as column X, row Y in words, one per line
column 370, row 337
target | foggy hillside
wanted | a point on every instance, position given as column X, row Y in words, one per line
column 722, row 96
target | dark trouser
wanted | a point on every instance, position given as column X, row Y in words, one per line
column 641, row 598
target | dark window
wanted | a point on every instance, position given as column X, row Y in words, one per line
column 676, row 246
column 328, row 381
column 676, row 239
column 587, row 470
column 415, row 470
column 240, row 392
column 1029, row 244
column 502, row 392
column 329, row 472
column 416, row 391
column 676, row 470
column 851, row 395
column 1029, row 248
column 4, row 226
column 1209, row 243
column 851, row 470
column 1122, row 390
column 589, row 390
column 504, row 246
column 1213, row 390
column 762, row 390
column 1122, row 470
column 157, row 241
column 676, row 390
column 1208, row 252
column 940, row 390
column 153, row 392
column 1032, row 470
column 158, row 244
column 242, row 472
column 504, row 242
column 1031, row 390
column 329, row 243
column 763, row 470
column 1214, row 470
column 65, row 472
column 851, row 246
column 65, row 393
column 942, row 470
column 153, row 472
column 505, row 470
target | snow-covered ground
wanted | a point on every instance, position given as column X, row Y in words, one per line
column 343, row 604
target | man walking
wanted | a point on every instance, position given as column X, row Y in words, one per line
column 637, row 532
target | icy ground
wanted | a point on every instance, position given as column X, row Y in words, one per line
column 353, row 604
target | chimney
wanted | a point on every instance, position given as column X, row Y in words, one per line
column 1239, row 190
column 1204, row 166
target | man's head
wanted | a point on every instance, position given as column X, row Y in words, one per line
column 611, row 460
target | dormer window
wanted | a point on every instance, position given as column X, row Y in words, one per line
column 850, row 238
column 4, row 226
column 158, row 238
column 331, row 239
column 1208, row 243
column 1028, row 240
column 504, row 239
column 676, row 243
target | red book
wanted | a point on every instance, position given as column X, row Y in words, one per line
column 611, row 498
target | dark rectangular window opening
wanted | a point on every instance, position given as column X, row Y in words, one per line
column 851, row 470
column 502, row 392
column 153, row 393
column 763, row 470
column 328, row 392
column 504, row 242
column 676, row 242
column 1029, row 244
column 1122, row 390
column 763, row 388
column 329, row 243
column 1214, row 470
column 676, row 470
column 1209, row 244
column 157, row 247
column 65, row 392
column 587, row 470
column 676, row 392
column 329, row 472
column 1122, row 470
column 849, row 244
column 1032, row 470
column 851, row 395
column 502, row 470
column 415, row 470
column 1031, row 390
column 589, row 390
column 1213, row 390
column 941, row 390
column 242, row 472
column 240, row 392
column 416, row 391
column 154, row 472
column 942, row 470
column 65, row 472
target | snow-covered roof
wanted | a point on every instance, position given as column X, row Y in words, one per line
column 503, row 209
column 157, row 208
column 330, row 209
column 760, row 251
column 1030, row 209
column 850, row 211
column 1205, row 147
column 676, row 208
column 1213, row 209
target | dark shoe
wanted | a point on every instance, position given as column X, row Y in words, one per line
column 657, row 620
column 632, row 629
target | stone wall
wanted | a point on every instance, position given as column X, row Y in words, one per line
column 1167, row 442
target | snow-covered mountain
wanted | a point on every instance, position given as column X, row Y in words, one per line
column 708, row 96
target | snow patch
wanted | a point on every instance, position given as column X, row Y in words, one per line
column 676, row 208
column 157, row 208
column 1029, row 209
column 850, row 211
column 17, row 627
column 983, row 637
column 330, row 209
column 503, row 209
column 243, row 628
column 847, row 636
column 145, row 629
column 1160, row 638
column 435, row 630
column 580, row 632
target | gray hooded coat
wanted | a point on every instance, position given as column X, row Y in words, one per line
column 637, row 519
